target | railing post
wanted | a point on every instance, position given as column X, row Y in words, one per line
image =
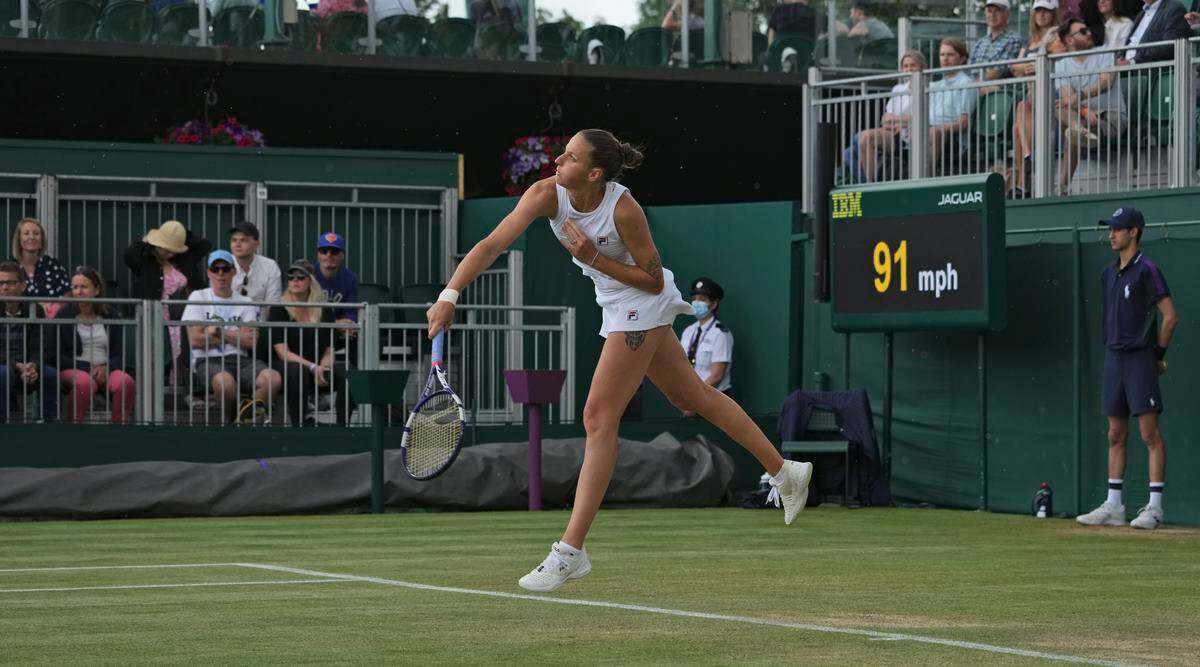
column 372, row 43
column 152, row 373
column 256, row 209
column 202, row 22
column 531, row 29
column 903, row 37
column 1043, row 155
column 1182, row 162
column 918, row 140
column 685, row 43
column 24, row 19
column 515, row 343
column 47, row 211
column 368, row 351
column 568, row 414
column 449, row 231
column 809, row 94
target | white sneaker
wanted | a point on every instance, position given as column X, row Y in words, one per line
column 793, row 490
column 562, row 564
column 1107, row 514
column 1148, row 518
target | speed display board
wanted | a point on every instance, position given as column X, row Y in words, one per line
column 919, row 256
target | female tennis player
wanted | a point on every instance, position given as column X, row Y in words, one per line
column 603, row 227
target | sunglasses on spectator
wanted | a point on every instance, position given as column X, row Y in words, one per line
column 329, row 251
column 1077, row 33
column 245, row 281
column 224, row 268
column 299, row 275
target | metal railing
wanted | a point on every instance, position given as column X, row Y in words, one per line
column 1015, row 127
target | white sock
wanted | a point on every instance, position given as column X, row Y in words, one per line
column 778, row 478
column 1156, row 491
column 1114, row 491
column 570, row 549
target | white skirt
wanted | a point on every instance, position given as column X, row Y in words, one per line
column 631, row 309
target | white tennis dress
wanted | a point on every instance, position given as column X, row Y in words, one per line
column 625, row 308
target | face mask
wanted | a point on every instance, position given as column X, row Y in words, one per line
column 700, row 309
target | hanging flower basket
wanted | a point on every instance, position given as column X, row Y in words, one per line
column 530, row 160
column 228, row 132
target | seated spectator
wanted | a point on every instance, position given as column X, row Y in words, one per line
column 999, row 44
column 951, row 103
column 1090, row 108
column 306, row 355
column 674, row 17
column 1112, row 15
column 794, row 17
column 327, row 8
column 91, row 356
column 1043, row 37
column 339, row 283
column 220, row 359
column 44, row 275
column 894, row 125
column 257, row 277
column 1159, row 20
column 867, row 27
column 22, row 368
column 497, row 11
column 166, row 265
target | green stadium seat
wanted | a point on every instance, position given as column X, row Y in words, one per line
column 238, row 26
column 402, row 35
column 344, row 32
column 990, row 134
column 695, row 47
column 10, row 18
column 451, row 38
column 69, row 19
column 498, row 41
column 797, row 63
column 879, row 54
column 610, row 50
column 178, row 25
column 304, row 32
column 1160, row 110
column 826, row 438
column 556, row 41
column 130, row 21
column 648, row 47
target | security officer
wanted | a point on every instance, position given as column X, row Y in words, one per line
column 1135, row 291
column 708, row 344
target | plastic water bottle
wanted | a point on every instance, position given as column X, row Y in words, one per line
column 1043, row 501
column 764, row 482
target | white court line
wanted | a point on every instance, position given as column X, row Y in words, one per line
column 191, row 585
column 118, row 567
column 873, row 634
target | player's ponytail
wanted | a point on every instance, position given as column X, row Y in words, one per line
column 613, row 156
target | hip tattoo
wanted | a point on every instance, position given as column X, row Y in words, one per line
column 634, row 339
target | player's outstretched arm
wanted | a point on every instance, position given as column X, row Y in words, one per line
column 539, row 201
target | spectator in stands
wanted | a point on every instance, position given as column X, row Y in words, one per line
column 497, row 11
column 894, row 125
column 674, row 17
column 44, row 275
column 1043, row 37
column 1070, row 9
column 327, row 8
column 91, row 356
column 1112, row 15
column 1159, row 20
column 951, row 102
column 999, row 44
column 867, row 27
column 306, row 355
column 166, row 265
column 794, row 17
column 22, row 367
column 339, row 283
column 257, row 276
column 222, row 353
column 707, row 342
column 1090, row 108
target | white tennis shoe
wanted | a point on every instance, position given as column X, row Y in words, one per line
column 562, row 564
column 1108, row 514
column 1148, row 518
column 793, row 490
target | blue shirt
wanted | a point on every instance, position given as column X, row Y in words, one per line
column 1130, row 295
column 342, row 288
column 948, row 99
column 989, row 49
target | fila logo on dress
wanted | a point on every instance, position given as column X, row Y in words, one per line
column 632, row 315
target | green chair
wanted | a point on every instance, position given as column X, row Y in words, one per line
column 648, row 47
column 556, row 41
column 344, row 32
column 402, row 35
column 130, row 21
column 498, row 41
column 451, row 38
column 10, row 18
column 609, row 50
column 989, row 139
column 879, row 54
column 178, row 25
column 1160, row 110
column 374, row 293
column 790, row 55
column 303, row 35
column 238, row 26
column 695, row 47
column 69, row 19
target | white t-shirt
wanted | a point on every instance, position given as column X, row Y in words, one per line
column 1116, row 30
column 94, row 344
column 229, row 311
column 263, row 282
column 715, row 345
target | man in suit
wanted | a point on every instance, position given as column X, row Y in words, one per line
column 1159, row 20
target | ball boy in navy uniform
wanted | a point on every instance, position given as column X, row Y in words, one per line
column 1134, row 289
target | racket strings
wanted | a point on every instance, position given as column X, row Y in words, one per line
column 435, row 432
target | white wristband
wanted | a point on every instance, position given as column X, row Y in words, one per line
column 450, row 295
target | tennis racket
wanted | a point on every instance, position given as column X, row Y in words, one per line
column 434, row 432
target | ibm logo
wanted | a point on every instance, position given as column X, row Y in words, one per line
column 846, row 205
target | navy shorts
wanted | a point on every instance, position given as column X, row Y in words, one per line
column 1131, row 383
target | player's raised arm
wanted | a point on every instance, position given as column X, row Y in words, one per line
column 646, row 273
column 539, row 201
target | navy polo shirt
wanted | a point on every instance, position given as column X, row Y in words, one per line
column 342, row 288
column 1130, row 295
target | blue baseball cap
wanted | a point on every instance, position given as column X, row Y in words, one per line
column 220, row 256
column 331, row 240
column 1125, row 218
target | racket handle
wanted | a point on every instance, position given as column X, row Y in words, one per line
column 439, row 346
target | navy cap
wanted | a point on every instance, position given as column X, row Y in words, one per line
column 707, row 287
column 1125, row 218
column 331, row 240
